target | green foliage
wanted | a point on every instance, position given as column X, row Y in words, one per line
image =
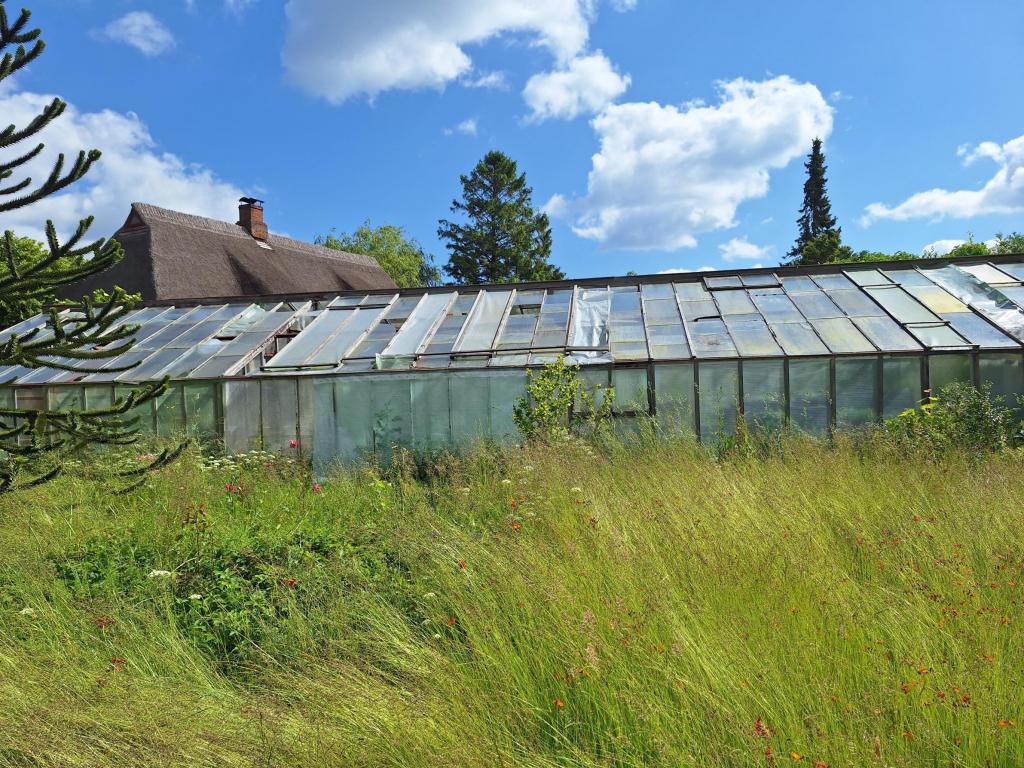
column 970, row 248
column 818, row 235
column 400, row 256
column 557, row 403
column 34, row 441
column 504, row 239
column 1006, row 244
column 959, row 418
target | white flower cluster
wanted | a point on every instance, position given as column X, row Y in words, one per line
column 247, row 460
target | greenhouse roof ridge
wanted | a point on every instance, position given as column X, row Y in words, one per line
column 609, row 280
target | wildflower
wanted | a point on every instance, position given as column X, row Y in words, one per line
column 506, row 481
column 466, row 491
column 158, row 574
column 195, row 596
column 559, row 703
column 957, row 742
column 516, row 526
column 451, row 621
column 1006, row 723
column 796, row 756
column 820, row 764
column 103, row 621
column 293, row 443
column 118, row 662
column 527, row 468
column 575, row 489
column 27, row 612
column 429, row 595
column 908, row 735
column 514, row 503
column 437, row 636
column 462, row 565
column 317, row 488
column 762, row 730
column 232, row 488
column 941, row 694
column 290, row 583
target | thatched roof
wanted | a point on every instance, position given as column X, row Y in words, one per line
column 173, row 255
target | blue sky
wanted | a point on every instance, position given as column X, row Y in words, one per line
column 660, row 134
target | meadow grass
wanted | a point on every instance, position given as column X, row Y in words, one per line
column 648, row 605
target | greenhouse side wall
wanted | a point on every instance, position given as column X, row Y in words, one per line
column 344, row 417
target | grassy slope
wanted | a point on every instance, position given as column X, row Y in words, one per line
column 867, row 610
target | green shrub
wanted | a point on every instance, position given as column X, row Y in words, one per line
column 962, row 417
column 557, row 403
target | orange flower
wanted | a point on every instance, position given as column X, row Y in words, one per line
column 796, row 756
column 514, row 503
column 559, row 703
column 908, row 735
column 923, row 671
column 762, row 730
column 462, row 564
column 958, row 742
column 451, row 621
column 941, row 694
column 820, row 764
column 1006, row 723
column 516, row 526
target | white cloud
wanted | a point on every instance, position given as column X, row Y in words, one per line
column 467, row 128
column 339, row 48
column 1001, row 194
column 141, row 30
column 741, row 248
column 486, row 80
column 665, row 174
column 941, row 247
column 132, row 168
column 623, row 5
column 674, row 270
column 587, row 85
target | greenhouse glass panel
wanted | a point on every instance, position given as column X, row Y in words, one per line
column 901, row 385
column 936, row 299
column 1013, row 292
column 764, row 393
column 901, row 305
column 698, row 310
column 907, row 277
column 354, row 415
column 144, row 411
column 989, row 274
column 470, row 395
column 944, row 370
column 392, row 413
column 510, row 360
column 431, row 420
column 630, row 389
column 338, row 346
column 855, row 303
column 241, row 415
column 809, row 403
column 447, row 333
column 98, row 396
column 627, row 340
column 65, row 398
column 815, row 304
column 662, row 312
column 734, row 303
column 751, row 335
column 981, row 297
column 723, row 282
column 799, row 284
column 668, row 342
column 674, row 397
column 1004, row 374
column 506, row 388
column 833, row 282
column 939, row 335
column 590, row 320
column 760, row 281
column 518, row 332
column 595, row 383
column 866, row 277
column 414, row 331
column 776, row 307
column 978, row 330
column 303, row 348
column 718, row 396
column 692, row 292
column 279, row 407
column 170, row 411
column 1015, row 270
column 886, row 334
column 798, row 339
column 192, row 359
column 201, row 409
column 856, row 391
column 842, row 336
column 711, row 338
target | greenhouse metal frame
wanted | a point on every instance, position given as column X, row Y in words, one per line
column 342, row 375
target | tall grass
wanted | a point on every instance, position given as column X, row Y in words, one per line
column 549, row 606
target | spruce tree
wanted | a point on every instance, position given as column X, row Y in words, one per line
column 505, row 240
column 34, row 441
column 816, row 222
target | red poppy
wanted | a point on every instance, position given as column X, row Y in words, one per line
column 317, row 488
column 451, row 621
column 290, row 583
column 293, row 443
column 559, row 703
column 516, row 526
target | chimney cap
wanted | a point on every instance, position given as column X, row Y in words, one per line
column 251, row 201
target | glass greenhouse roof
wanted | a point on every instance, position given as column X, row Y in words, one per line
column 933, row 305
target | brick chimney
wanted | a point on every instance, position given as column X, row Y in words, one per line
column 250, row 216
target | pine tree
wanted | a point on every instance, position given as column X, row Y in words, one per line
column 505, row 241
column 34, row 441
column 816, row 221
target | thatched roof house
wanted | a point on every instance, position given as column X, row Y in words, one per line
column 173, row 255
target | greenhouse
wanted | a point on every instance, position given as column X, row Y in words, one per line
column 342, row 375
